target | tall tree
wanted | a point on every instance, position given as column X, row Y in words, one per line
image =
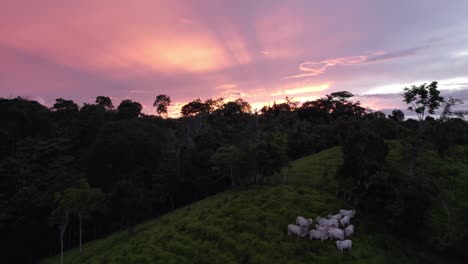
column 161, row 103
column 422, row 99
column 60, row 216
column 226, row 157
column 271, row 150
column 83, row 201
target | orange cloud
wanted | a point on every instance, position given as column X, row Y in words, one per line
column 226, row 86
column 190, row 53
column 303, row 90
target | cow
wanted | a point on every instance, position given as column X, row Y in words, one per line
column 296, row 230
column 304, row 223
column 346, row 244
column 318, row 234
column 336, row 233
column 327, row 222
column 349, row 231
column 345, row 220
column 349, row 213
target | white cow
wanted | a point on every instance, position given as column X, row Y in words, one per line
column 336, row 233
column 318, row 234
column 296, row 230
column 349, row 231
column 321, row 228
column 346, row 244
column 304, row 223
column 345, row 220
column 349, row 213
column 337, row 216
column 327, row 222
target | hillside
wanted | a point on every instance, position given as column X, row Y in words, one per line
column 248, row 225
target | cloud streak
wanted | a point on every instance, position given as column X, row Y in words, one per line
column 312, row 68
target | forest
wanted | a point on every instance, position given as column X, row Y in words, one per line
column 71, row 174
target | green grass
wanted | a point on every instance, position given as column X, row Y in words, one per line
column 248, row 225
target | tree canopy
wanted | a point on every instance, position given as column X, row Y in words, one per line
column 423, row 99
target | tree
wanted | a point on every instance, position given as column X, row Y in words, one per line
column 125, row 149
column 373, row 115
column 130, row 203
column 195, row 107
column 65, row 112
column 83, row 201
column 60, row 216
column 271, row 150
column 63, row 105
column 447, row 111
column 129, row 109
column 20, row 118
column 422, row 99
column 397, row 115
column 364, row 156
column 234, row 108
column 226, row 156
column 105, row 102
column 214, row 104
column 276, row 109
column 161, row 103
column 331, row 107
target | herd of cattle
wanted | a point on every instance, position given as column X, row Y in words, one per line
column 326, row 228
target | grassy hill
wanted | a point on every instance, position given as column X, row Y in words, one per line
column 248, row 225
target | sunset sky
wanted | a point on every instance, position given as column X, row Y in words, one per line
column 260, row 50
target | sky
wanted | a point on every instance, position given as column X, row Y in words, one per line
column 262, row 50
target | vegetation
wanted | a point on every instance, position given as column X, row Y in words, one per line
column 248, row 225
column 98, row 169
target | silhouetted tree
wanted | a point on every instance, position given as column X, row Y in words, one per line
column 397, row 115
column 161, row 103
column 194, row 108
column 447, row 111
column 105, row 102
column 233, row 108
column 422, row 99
column 214, row 104
column 129, row 109
column 63, row 105
column 331, row 107
column 375, row 115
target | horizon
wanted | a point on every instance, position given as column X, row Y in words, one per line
column 261, row 52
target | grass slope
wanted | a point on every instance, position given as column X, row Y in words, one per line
column 248, row 225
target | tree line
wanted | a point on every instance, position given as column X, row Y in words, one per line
column 70, row 174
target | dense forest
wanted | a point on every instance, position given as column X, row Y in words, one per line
column 71, row 174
